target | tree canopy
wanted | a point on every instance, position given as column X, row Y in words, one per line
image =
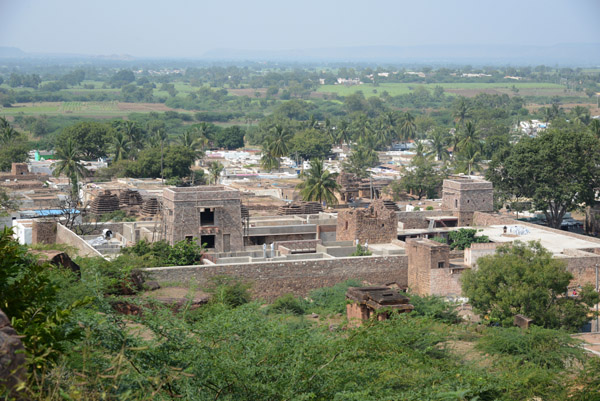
column 559, row 170
column 525, row 279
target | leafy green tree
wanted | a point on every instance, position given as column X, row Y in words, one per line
column 310, row 144
column 408, row 128
column 230, row 138
column 559, row 170
column 69, row 164
column 13, row 146
column 361, row 159
column 422, row 179
column 526, row 279
column 176, row 163
column 90, row 137
column 214, row 171
column 318, row 184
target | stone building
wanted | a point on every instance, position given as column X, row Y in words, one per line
column 212, row 214
column 430, row 271
column 376, row 224
column 465, row 196
column 365, row 302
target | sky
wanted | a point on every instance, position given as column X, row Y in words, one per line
column 180, row 28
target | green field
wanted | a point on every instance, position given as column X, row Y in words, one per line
column 95, row 109
column 395, row 89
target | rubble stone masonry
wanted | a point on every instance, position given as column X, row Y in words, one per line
column 375, row 225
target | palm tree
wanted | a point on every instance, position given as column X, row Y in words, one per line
column 280, row 139
column 134, row 135
column 438, row 146
column 214, row 171
column 268, row 160
column 462, row 110
column 318, row 184
column 468, row 160
column 344, row 133
column 190, row 140
column 581, row 115
column 360, row 160
column 69, row 164
column 120, row 145
column 469, row 136
column 408, row 127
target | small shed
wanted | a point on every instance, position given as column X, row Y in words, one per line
column 365, row 302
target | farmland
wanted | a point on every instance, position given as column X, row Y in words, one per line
column 106, row 109
column 465, row 89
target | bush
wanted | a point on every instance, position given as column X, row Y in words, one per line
column 429, row 208
column 434, row 307
column 288, row 304
column 550, row 349
column 464, row 237
column 330, row 300
column 360, row 251
column 229, row 291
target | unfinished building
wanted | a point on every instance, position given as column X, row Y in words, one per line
column 374, row 225
column 211, row 214
column 465, row 196
column 364, row 302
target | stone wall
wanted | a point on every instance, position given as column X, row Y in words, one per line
column 446, row 282
column 273, row 279
column 68, row 237
column 425, row 256
column 414, row 220
column 43, row 232
column 375, row 225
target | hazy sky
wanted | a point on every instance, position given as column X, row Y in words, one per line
column 179, row 28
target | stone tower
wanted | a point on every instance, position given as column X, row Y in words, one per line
column 465, row 196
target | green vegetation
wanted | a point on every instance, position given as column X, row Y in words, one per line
column 360, row 251
column 526, row 279
column 160, row 253
column 464, row 237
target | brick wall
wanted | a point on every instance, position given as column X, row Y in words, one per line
column 273, row 279
column 445, row 282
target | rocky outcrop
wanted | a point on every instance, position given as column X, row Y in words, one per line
column 12, row 356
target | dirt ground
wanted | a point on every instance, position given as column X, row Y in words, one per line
column 592, row 340
column 133, row 107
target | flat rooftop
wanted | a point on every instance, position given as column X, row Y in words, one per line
column 554, row 241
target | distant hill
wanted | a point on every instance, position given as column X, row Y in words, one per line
column 9, row 52
column 563, row 54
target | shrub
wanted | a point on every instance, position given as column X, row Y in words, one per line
column 434, row 307
column 331, row 299
column 288, row 304
column 551, row 349
column 360, row 251
column 429, row 208
column 229, row 291
column 464, row 237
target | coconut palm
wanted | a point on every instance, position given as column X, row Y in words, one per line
column 344, row 132
column 462, row 110
column 214, row 171
column 469, row 136
column 69, row 164
column 134, row 134
column 468, row 160
column 360, row 160
column 280, row 139
column 408, row 128
column 268, row 160
column 120, row 145
column 318, row 184
column 438, row 145
column 190, row 140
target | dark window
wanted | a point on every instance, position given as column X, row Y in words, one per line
column 189, row 238
column 207, row 217
column 346, row 226
column 208, row 241
column 440, row 265
column 455, row 202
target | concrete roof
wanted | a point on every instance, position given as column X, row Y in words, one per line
column 551, row 240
